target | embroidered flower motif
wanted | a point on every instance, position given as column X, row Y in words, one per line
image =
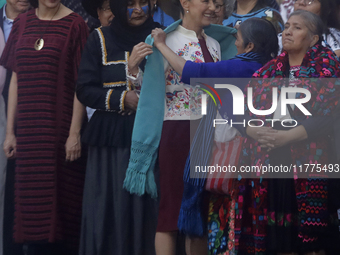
column 230, row 245
column 231, row 234
column 211, row 243
column 213, row 230
column 223, row 243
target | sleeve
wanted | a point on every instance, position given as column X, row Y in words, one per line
column 333, row 39
column 318, row 125
column 82, row 33
column 136, row 80
column 90, row 91
column 205, row 70
column 2, row 69
column 8, row 59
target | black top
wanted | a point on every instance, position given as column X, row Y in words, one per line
column 102, row 84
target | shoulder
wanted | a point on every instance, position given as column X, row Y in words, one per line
column 75, row 19
column 333, row 38
column 326, row 53
column 95, row 37
column 266, row 70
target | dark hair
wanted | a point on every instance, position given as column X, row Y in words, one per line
column 262, row 34
column 178, row 3
column 312, row 21
column 34, row 3
column 258, row 6
column 119, row 9
column 329, row 13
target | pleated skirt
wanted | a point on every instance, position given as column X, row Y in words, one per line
column 113, row 220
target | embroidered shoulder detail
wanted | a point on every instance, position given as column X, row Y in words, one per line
column 124, row 61
column 104, row 51
column 114, row 84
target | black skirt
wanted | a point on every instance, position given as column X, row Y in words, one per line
column 113, row 220
column 282, row 230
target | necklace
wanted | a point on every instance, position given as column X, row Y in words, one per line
column 39, row 43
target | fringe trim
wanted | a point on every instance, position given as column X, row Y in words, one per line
column 128, row 82
column 104, row 51
column 107, row 101
column 122, row 98
column 190, row 219
column 114, row 84
column 135, row 182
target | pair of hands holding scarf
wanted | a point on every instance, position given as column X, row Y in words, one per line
column 270, row 138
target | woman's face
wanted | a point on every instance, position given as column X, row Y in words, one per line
column 296, row 37
column 105, row 14
column 313, row 6
column 201, row 12
column 138, row 12
column 50, row 4
column 239, row 43
column 218, row 15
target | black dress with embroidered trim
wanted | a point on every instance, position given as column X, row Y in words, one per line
column 113, row 221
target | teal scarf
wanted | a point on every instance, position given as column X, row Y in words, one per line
column 150, row 113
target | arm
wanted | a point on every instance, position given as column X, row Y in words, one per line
column 73, row 144
column 138, row 54
column 175, row 61
column 90, row 90
column 10, row 141
column 281, row 138
column 2, row 69
column 189, row 69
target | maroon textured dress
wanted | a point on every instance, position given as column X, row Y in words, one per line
column 48, row 190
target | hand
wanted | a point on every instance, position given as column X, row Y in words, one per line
column 73, row 147
column 254, row 132
column 139, row 52
column 131, row 101
column 272, row 140
column 10, row 146
column 257, row 133
column 159, row 37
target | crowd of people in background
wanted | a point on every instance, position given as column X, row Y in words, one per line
column 100, row 127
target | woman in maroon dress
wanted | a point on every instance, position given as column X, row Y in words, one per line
column 43, row 128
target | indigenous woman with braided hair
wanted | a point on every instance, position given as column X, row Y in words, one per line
column 115, row 221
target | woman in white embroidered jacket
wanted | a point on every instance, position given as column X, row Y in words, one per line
column 182, row 105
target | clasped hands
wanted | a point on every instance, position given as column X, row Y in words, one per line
column 268, row 137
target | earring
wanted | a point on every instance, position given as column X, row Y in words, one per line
column 155, row 7
column 187, row 11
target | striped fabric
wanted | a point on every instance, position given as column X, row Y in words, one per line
column 48, row 190
column 224, row 155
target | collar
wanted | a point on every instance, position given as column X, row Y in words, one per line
column 189, row 33
column 5, row 16
column 249, row 57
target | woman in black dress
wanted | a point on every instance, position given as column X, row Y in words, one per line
column 114, row 221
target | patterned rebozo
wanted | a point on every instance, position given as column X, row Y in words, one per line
column 319, row 62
